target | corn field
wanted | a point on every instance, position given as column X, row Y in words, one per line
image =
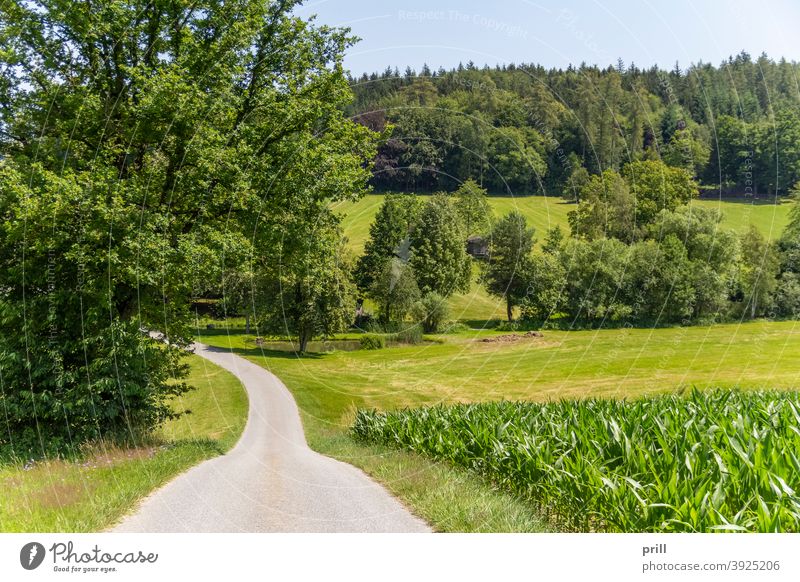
column 707, row 461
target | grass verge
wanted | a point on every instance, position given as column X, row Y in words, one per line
column 92, row 492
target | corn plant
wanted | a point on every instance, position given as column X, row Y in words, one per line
column 718, row 460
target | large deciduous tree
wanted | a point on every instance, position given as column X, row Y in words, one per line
column 656, row 187
column 510, row 246
column 438, row 249
column 135, row 135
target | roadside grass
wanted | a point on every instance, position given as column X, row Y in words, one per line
column 449, row 498
column 616, row 363
column 92, row 492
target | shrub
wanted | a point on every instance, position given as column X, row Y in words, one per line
column 787, row 296
column 371, row 341
column 408, row 335
column 431, row 312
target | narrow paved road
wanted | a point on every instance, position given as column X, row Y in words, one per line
column 270, row 481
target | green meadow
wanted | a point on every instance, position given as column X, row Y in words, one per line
column 546, row 212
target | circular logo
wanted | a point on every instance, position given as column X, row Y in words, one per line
column 31, row 555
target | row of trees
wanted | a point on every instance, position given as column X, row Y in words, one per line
column 682, row 267
column 526, row 129
column 637, row 253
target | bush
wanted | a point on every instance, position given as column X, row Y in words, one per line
column 787, row 296
column 408, row 335
column 431, row 312
column 372, row 342
column 129, row 395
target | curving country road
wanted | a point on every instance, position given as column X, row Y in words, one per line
column 270, row 481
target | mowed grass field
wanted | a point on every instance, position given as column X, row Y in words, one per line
column 477, row 367
column 544, row 213
column 92, row 492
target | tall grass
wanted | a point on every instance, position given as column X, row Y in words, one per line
column 708, row 461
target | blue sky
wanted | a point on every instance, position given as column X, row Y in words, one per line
column 557, row 33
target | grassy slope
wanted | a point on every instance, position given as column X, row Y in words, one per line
column 92, row 493
column 618, row 363
column 545, row 212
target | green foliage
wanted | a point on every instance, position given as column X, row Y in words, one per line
column 789, row 243
column 709, row 461
column 623, row 207
column 595, row 274
column 74, row 364
column 687, row 151
column 371, row 341
column 431, row 312
column 522, row 127
column 759, row 266
column 681, row 271
column 438, row 249
column 607, row 209
column 388, row 236
column 510, row 246
column 518, row 160
column 544, row 296
column 575, row 183
column 553, row 241
column 311, row 294
column 473, row 208
column 394, row 291
column 211, row 132
column 787, row 296
column 656, row 187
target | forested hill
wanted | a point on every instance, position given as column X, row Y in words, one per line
column 527, row 129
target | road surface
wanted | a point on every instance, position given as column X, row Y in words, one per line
column 270, row 481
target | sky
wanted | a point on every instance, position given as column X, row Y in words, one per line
column 556, row 33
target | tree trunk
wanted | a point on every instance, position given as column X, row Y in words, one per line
column 303, row 338
column 509, row 310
